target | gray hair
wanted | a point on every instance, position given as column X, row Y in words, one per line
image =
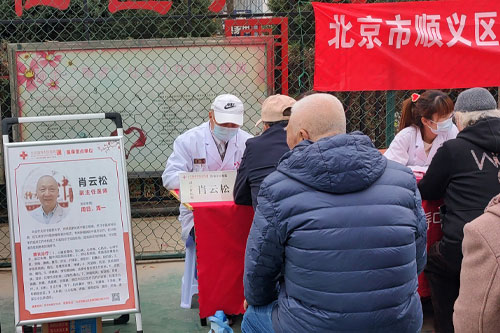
column 469, row 118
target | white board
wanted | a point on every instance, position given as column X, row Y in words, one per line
column 69, row 217
column 161, row 88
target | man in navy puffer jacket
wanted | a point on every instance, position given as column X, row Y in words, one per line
column 339, row 234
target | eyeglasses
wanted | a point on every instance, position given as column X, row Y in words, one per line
column 452, row 117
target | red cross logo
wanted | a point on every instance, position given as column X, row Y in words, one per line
column 23, row 155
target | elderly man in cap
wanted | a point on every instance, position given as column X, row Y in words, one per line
column 262, row 153
column 215, row 145
column 465, row 172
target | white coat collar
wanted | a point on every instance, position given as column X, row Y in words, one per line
column 211, row 147
column 213, row 152
column 420, row 148
column 232, row 148
column 438, row 142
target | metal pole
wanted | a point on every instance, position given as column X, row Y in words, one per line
column 138, row 322
column 87, row 16
column 390, row 111
column 190, row 14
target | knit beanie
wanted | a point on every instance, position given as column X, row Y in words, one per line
column 475, row 99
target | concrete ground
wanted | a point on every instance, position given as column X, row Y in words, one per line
column 159, row 288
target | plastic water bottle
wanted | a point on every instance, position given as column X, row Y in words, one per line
column 219, row 323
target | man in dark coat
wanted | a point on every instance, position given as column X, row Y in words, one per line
column 263, row 152
column 339, row 234
column 465, row 172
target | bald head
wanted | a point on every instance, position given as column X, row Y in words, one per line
column 315, row 117
column 46, row 180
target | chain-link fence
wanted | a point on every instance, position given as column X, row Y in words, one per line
column 160, row 64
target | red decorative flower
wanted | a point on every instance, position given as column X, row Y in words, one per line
column 49, row 58
column 27, row 74
column 415, row 97
column 53, row 84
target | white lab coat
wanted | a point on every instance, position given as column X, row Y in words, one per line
column 58, row 215
column 408, row 149
column 198, row 143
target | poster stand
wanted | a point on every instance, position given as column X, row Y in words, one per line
column 70, row 226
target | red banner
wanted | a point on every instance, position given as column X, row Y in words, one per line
column 407, row 45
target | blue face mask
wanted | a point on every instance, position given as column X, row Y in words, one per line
column 443, row 127
column 224, row 133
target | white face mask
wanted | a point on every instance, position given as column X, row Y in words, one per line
column 443, row 127
column 224, row 133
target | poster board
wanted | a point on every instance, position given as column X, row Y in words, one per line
column 160, row 87
column 77, row 260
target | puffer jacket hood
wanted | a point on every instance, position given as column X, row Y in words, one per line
column 338, row 164
column 338, row 238
column 485, row 134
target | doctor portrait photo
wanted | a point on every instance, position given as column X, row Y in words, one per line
column 49, row 211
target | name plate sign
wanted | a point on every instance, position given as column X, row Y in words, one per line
column 209, row 186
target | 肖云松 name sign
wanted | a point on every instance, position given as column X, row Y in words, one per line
column 207, row 186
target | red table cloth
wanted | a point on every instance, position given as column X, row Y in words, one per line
column 221, row 232
column 222, row 229
column 434, row 234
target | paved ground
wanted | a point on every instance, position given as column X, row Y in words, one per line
column 159, row 288
column 159, row 283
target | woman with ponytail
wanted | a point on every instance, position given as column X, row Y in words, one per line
column 425, row 124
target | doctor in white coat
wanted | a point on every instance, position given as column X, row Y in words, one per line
column 426, row 123
column 213, row 146
column 47, row 191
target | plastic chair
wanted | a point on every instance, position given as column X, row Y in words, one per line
column 189, row 281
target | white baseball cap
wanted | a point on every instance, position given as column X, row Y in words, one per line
column 228, row 109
